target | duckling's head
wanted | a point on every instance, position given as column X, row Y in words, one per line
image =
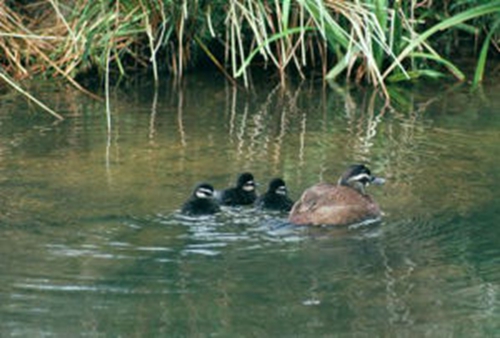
column 358, row 176
column 203, row 190
column 277, row 186
column 246, row 182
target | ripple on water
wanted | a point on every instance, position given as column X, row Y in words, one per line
column 90, row 251
column 232, row 229
column 89, row 287
column 247, row 229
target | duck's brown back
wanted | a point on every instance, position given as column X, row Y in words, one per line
column 330, row 204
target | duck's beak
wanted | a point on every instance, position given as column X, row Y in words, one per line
column 377, row 180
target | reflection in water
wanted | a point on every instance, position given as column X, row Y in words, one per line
column 180, row 110
column 152, row 119
column 302, row 139
column 91, row 239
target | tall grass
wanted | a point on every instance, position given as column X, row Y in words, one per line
column 368, row 41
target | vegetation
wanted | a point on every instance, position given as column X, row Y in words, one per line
column 366, row 41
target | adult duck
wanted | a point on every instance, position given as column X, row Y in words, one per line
column 342, row 204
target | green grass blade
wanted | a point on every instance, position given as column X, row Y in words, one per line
column 381, row 13
column 272, row 38
column 328, row 26
column 491, row 8
column 451, row 67
column 415, row 74
column 339, row 67
column 286, row 12
column 481, row 62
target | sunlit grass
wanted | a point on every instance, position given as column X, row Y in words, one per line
column 369, row 41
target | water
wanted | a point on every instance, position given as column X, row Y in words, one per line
column 91, row 242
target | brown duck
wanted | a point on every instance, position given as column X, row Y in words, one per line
column 342, row 204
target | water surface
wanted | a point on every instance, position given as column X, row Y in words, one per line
column 91, row 242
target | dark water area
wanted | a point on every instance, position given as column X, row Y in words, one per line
column 92, row 243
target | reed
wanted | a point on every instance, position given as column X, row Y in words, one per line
column 369, row 41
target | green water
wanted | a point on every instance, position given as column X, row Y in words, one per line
column 91, row 243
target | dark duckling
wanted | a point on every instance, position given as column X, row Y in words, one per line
column 275, row 197
column 201, row 201
column 342, row 204
column 242, row 194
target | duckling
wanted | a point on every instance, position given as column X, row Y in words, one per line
column 276, row 197
column 201, row 201
column 242, row 194
column 342, row 204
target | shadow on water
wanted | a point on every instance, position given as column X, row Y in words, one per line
column 92, row 241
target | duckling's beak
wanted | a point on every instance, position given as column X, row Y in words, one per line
column 378, row 180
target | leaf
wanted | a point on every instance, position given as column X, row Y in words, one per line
column 481, row 62
column 415, row 74
column 451, row 67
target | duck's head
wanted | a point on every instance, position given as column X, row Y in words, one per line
column 358, row 176
column 246, row 182
column 277, row 186
column 203, row 190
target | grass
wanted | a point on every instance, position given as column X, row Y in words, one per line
column 371, row 41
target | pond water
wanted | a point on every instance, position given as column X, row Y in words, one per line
column 91, row 243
